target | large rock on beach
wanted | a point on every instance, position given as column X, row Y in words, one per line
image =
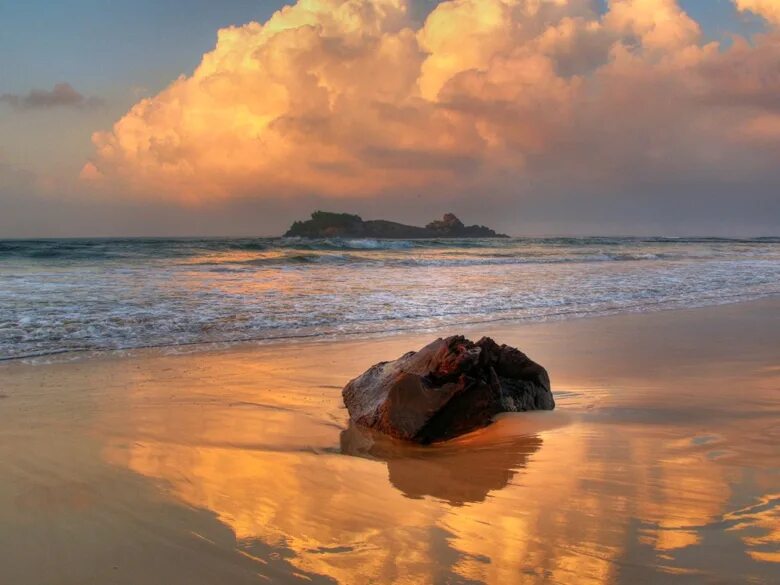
column 450, row 387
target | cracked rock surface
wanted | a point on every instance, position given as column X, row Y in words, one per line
column 450, row 387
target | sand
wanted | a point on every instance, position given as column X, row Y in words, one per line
column 237, row 465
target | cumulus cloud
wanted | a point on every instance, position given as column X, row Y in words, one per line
column 769, row 9
column 61, row 95
column 353, row 98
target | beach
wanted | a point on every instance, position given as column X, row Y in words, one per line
column 236, row 463
column 390, row 292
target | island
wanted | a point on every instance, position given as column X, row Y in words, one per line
column 324, row 224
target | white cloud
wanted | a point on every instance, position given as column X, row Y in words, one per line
column 353, row 99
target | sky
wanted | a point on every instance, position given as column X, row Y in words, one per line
column 636, row 117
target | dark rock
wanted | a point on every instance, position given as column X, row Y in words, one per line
column 446, row 224
column 344, row 225
column 450, row 387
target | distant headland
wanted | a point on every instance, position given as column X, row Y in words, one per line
column 324, row 224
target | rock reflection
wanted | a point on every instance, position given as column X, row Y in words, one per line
column 574, row 496
column 447, row 472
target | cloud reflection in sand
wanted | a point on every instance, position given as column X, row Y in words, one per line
column 609, row 489
column 576, row 501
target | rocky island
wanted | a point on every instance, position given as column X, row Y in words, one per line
column 324, row 224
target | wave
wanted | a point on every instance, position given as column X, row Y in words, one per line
column 68, row 295
column 371, row 326
column 129, row 249
column 319, row 259
column 73, row 309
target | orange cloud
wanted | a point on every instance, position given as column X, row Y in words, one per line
column 768, row 9
column 352, row 98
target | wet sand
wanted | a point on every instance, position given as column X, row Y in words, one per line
column 661, row 464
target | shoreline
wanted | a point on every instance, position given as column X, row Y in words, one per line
column 69, row 355
column 238, row 464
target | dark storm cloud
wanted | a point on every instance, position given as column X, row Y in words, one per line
column 61, row 95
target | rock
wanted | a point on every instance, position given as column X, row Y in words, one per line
column 344, row 225
column 450, row 387
column 448, row 223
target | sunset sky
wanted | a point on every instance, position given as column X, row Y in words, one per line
column 235, row 117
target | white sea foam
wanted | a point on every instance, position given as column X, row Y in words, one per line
column 79, row 295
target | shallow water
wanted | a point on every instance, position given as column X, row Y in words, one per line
column 75, row 295
column 659, row 465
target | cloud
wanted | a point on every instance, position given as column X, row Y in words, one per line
column 769, row 9
column 357, row 99
column 62, row 95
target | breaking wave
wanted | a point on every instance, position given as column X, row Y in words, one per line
column 102, row 294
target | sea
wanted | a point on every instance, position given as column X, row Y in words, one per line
column 71, row 296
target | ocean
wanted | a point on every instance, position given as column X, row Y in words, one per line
column 83, row 295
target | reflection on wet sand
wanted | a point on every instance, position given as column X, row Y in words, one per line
column 249, row 450
column 458, row 472
column 584, row 502
column 571, row 516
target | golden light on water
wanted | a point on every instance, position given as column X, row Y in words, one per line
column 569, row 498
column 239, row 463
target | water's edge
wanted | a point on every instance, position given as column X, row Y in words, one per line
column 79, row 296
column 69, row 355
